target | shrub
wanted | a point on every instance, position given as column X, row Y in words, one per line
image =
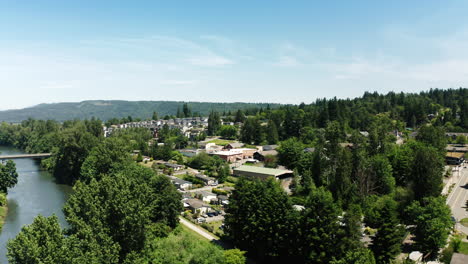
column 3, row 199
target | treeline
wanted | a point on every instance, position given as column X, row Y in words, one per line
column 442, row 108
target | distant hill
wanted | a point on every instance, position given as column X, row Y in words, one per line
column 105, row 110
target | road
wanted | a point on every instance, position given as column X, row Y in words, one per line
column 457, row 198
column 198, row 229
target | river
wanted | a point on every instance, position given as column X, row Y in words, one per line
column 36, row 193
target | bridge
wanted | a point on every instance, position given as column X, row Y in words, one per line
column 26, row 156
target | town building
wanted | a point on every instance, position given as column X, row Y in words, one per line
column 206, row 196
column 262, row 173
column 197, row 206
column 181, row 184
column 209, row 181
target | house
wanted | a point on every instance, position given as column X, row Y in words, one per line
column 197, row 206
column 269, row 147
column 263, row 173
column 206, row 196
column 229, row 155
column 454, row 158
column 189, row 152
column 223, row 200
column 454, row 135
column 234, row 145
column 186, row 195
column 260, row 155
column 175, row 167
column 207, row 180
column 457, row 148
column 234, row 155
column 181, row 184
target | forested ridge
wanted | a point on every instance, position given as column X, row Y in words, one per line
column 107, row 109
column 344, row 179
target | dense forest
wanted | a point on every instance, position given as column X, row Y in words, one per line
column 344, row 179
column 106, row 110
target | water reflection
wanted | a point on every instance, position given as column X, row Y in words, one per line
column 36, row 193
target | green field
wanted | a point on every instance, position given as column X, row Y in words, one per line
column 221, row 142
column 3, row 212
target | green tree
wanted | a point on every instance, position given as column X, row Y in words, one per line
column 40, row 242
column 427, row 172
column 122, row 206
column 387, row 242
column 432, row 224
column 360, row 256
column 251, row 131
column 257, row 218
column 320, row 228
column 155, row 116
column 290, row 153
column 272, row 133
column 75, row 143
column 112, row 153
column 229, row 132
column 434, row 136
column 8, row 176
column 381, row 173
column 234, row 256
column 214, row 123
column 240, row 117
column 186, row 110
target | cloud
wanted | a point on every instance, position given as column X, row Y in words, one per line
column 210, row 61
column 287, row 61
column 179, row 82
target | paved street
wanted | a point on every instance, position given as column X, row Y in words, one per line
column 457, row 198
column 197, row 229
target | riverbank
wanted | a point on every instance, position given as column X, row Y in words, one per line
column 3, row 209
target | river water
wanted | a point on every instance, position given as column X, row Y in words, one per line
column 36, row 193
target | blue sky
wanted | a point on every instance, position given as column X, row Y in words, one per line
column 251, row 51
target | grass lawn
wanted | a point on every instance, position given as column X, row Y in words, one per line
column 464, row 248
column 3, row 212
column 216, row 225
column 221, row 142
column 190, row 231
column 464, row 222
column 148, row 164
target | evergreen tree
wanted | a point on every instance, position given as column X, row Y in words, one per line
column 214, row 123
column 320, row 227
column 186, row 110
column 387, row 242
column 427, row 172
column 272, row 133
column 257, row 218
column 240, row 117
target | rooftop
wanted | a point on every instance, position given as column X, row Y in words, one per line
column 195, row 203
column 457, row 155
column 262, row 170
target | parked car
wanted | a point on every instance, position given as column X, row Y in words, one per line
column 201, row 220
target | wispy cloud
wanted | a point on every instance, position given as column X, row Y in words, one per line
column 178, row 82
column 210, row 61
column 287, row 61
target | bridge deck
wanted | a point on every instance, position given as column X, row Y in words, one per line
column 25, row 156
